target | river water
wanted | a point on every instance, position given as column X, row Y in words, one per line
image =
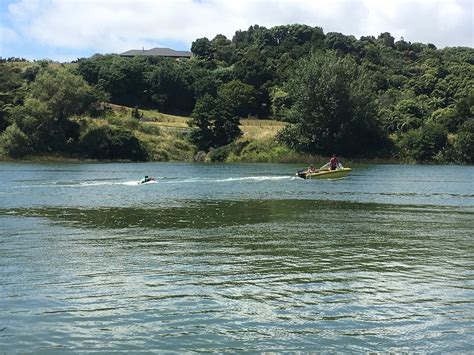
column 235, row 258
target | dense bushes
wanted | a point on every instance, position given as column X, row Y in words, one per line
column 164, row 84
column 262, row 151
column 334, row 110
column 106, row 142
column 463, row 150
column 14, row 143
column 213, row 123
column 431, row 143
column 44, row 122
column 422, row 144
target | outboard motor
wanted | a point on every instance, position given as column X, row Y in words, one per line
column 302, row 173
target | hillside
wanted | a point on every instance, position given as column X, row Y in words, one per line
column 292, row 88
column 165, row 135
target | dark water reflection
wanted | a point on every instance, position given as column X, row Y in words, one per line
column 231, row 275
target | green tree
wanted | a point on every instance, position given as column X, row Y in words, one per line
column 203, row 82
column 465, row 108
column 203, row 116
column 333, row 110
column 339, row 42
column 54, row 97
column 106, row 142
column 407, row 114
column 280, row 102
column 386, row 39
column 447, row 117
column 14, row 143
column 422, row 144
column 402, row 46
column 30, row 73
column 464, row 144
column 64, row 93
column 252, row 68
column 10, row 83
column 222, row 49
column 36, row 120
column 213, row 125
column 242, row 98
column 170, row 91
column 202, row 48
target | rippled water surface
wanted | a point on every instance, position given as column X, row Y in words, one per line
column 235, row 258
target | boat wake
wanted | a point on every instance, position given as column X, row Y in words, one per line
column 206, row 180
column 58, row 184
column 162, row 180
column 224, row 180
column 133, row 183
column 257, row 178
column 110, row 183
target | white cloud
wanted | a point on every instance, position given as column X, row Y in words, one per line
column 442, row 22
column 119, row 25
column 7, row 35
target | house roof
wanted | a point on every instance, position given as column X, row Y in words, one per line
column 161, row 52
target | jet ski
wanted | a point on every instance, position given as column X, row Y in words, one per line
column 147, row 180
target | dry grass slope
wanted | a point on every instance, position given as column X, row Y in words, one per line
column 253, row 129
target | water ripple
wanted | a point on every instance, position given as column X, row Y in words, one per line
column 251, row 265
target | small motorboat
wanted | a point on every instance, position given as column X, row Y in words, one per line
column 324, row 172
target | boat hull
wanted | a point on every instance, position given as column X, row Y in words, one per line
column 326, row 174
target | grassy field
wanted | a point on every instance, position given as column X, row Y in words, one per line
column 260, row 129
column 171, row 142
column 166, row 136
column 22, row 65
column 251, row 128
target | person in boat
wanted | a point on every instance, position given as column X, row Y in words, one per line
column 333, row 162
column 311, row 169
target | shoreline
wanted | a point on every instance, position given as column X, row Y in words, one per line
column 345, row 161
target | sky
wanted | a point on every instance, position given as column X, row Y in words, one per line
column 64, row 30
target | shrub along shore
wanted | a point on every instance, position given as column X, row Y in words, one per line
column 164, row 138
column 256, row 145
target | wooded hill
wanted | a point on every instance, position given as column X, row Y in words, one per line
column 367, row 97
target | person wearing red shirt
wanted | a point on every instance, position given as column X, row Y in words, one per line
column 333, row 162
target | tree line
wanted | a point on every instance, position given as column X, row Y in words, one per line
column 372, row 96
column 43, row 112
